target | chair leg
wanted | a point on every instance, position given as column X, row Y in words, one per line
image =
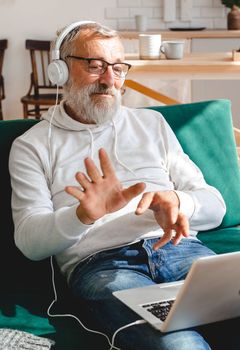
column 25, row 111
column 1, row 115
column 37, row 112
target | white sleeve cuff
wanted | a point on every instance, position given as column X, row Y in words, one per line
column 68, row 223
column 187, row 205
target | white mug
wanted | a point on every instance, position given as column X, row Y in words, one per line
column 149, row 46
column 173, row 50
column 141, row 23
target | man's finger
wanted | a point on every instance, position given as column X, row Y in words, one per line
column 106, row 165
column 167, row 236
column 82, row 180
column 92, row 170
column 75, row 192
column 144, row 203
column 133, row 191
column 182, row 225
column 177, row 238
column 181, row 228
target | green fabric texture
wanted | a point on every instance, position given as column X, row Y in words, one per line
column 21, row 316
column 205, row 132
column 223, row 240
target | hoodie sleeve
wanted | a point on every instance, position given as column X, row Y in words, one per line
column 40, row 230
column 201, row 203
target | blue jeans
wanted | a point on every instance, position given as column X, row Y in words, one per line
column 94, row 280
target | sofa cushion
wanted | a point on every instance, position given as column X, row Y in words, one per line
column 224, row 240
column 25, row 312
column 205, row 132
column 28, row 313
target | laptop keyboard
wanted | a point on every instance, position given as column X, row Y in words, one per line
column 159, row 309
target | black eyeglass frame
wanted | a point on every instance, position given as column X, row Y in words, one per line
column 89, row 59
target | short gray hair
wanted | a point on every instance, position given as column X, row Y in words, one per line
column 94, row 29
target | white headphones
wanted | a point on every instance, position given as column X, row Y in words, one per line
column 58, row 69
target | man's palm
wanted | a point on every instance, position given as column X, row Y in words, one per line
column 101, row 193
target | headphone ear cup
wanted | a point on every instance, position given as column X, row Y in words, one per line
column 58, row 72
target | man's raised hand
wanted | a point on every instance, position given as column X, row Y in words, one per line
column 101, row 192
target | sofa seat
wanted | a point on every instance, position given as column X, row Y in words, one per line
column 25, row 313
column 224, row 240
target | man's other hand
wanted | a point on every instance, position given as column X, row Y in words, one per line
column 165, row 205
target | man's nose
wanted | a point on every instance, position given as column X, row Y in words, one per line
column 107, row 77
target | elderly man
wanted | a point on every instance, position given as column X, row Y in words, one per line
column 109, row 192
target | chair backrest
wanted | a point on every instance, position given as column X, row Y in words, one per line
column 3, row 46
column 40, row 58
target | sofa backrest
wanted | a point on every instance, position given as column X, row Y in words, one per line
column 17, row 272
column 205, row 131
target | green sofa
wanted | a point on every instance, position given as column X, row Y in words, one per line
column 205, row 131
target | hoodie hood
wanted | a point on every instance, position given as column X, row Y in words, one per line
column 57, row 116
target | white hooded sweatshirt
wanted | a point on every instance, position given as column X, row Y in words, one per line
column 142, row 148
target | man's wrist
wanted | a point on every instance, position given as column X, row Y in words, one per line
column 187, row 206
column 83, row 217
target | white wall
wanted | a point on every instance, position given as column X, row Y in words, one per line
column 31, row 19
column 200, row 13
column 214, row 89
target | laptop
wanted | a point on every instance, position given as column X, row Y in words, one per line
column 210, row 293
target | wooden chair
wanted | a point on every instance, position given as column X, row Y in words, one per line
column 41, row 93
column 3, row 46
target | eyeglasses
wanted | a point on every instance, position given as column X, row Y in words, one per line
column 98, row 66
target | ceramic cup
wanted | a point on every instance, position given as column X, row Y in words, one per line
column 141, row 23
column 149, row 46
column 173, row 50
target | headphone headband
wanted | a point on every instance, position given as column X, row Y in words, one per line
column 65, row 32
column 58, row 69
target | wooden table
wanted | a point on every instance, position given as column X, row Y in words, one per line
column 193, row 66
column 218, row 65
column 188, row 34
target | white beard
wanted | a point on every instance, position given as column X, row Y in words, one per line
column 96, row 110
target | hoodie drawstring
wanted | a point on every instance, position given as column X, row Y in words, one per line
column 115, row 151
column 50, row 139
column 92, row 143
column 91, row 147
